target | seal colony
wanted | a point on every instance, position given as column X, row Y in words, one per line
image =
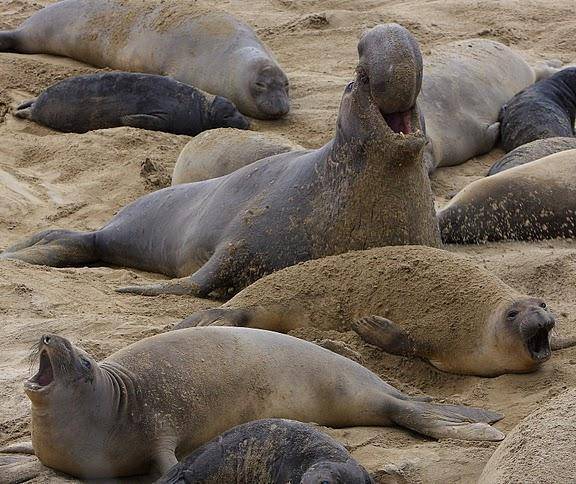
column 192, row 43
column 166, row 395
column 365, row 188
column 108, row 100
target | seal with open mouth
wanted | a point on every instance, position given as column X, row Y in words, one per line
column 365, row 188
column 164, row 396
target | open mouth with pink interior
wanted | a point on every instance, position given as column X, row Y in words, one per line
column 45, row 375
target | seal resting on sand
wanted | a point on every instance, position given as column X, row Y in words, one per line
column 365, row 188
column 409, row 301
column 221, row 151
column 268, row 451
column 531, row 152
column 164, row 396
column 186, row 40
column 111, row 99
column 545, row 110
column 540, row 448
column 530, row 202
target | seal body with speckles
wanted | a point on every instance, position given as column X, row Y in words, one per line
column 269, row 450
column 147, row 101
column 162, row 397
column 186, row 40
column 367, row 187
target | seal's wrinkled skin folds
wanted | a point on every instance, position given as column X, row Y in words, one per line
column 365, row 188
column 199, row 46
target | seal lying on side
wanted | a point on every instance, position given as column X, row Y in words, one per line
column 439, row 306
column 531, row 152
column 111, row 99
column 530, row 202
column 164, row 396
column 540, row 448
column 367, row 187
column 185, row 40
column 268, row 451
column 222, row 151
column 544, row 110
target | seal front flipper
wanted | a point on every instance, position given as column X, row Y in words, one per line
column 557, row 343
column 18, row 448
column 386, row 335
column 180, row 287
column 151, row 122
column 491, row 134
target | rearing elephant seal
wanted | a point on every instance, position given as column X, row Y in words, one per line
column 365, row 188
column 530, row 202
column 164, row 396
column 269, row 451
column 439, row 306
column 192, row 43
column 110, row 99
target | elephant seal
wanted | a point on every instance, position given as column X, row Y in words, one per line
column 540, row 448
column 531, row 152
column 111, row 99
column 221, row 151
column 544, row 110
column 270, row 450
column 365, row 188
column 479, row 326
column 534, row 201
column 164, row 396
column 186, row 40
column 464, row 86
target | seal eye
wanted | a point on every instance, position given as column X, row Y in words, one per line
column 85, row 363
column 543, row 305
column 512, row 314
column 349, row 86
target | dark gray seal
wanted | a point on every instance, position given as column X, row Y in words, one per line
column 186, row 40
column 269, row 451
column 544, row 110
column 365, row 188
column 111, row 99
column 531, row 152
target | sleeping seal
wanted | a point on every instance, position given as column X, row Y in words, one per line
column 193, row 43
column 164, row 396
column 111, row 99
column 365, row 188
column 544, row 110
column 269, row 451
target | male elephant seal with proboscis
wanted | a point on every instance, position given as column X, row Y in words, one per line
column 111, row 99
column 365, row 188
column 269, row 451
column 164, row 396
column 545, row 110
column 530, row 202
column 186, row 40
column 409, row 301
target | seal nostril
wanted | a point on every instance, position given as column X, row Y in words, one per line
column 46, row 340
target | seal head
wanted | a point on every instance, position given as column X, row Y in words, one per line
column 336, row 473
column 269, row 88
column 223, row 113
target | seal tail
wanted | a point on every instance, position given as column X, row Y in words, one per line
column 447, row 421
column 8, row 41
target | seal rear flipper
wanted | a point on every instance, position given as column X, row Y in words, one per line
column 18, row 448
column 386, row 335
column 216, row 317
column 447, row 421
column 25, row 113
column 144, row 121
column 557, row 343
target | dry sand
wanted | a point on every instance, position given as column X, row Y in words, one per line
column 48, row 179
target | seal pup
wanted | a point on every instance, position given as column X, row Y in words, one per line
column 111, row 99
column 164, row 396
column 531, row 152
column 403, row 300
column 188, row 41
column 365, row 188
column 221, row 151
column 269, row 450
column 534, row 201
column 544, row 110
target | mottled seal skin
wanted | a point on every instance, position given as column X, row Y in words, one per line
column 464, row 86
column 269, row 451
column 480, row 326
column 365, row 188
column 164, row 396
column 194, row 44
column 544, row 110
column 530, row 202
column 531, row 152
column 111, row 99
column 222, row 151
